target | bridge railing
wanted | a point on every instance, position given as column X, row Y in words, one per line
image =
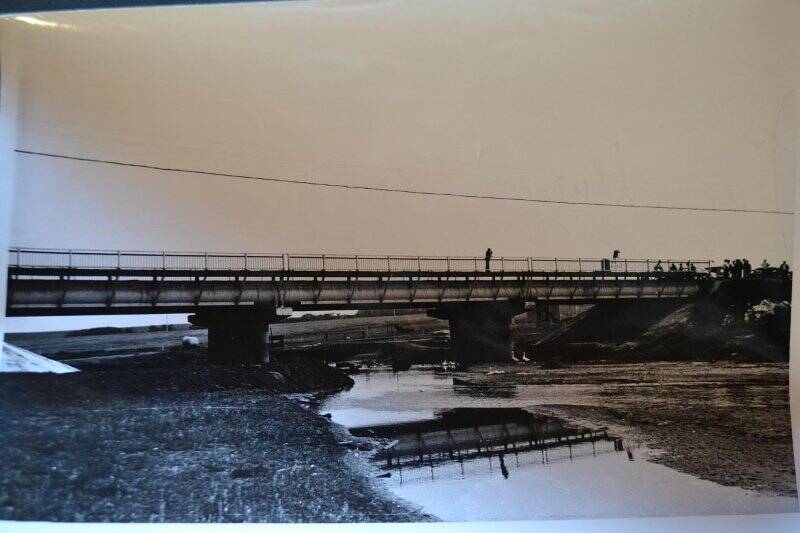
column 199, row 261
column 102, row 259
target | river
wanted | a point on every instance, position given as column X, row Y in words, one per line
column 457, row 472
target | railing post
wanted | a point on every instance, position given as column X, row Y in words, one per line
column 69, row 261
column 205, row 260
column 18, row 257
column 555, row 261
column 580, row 265
column 388, row 264
column 419, row 264
column 476, row 263
column 626, row 266
column 502, row 264
column 448, row 264
column 119, row 263
column 285, row 261
column 647, row 265
column 245, row 261
column 356, row 263
column 163, row 260
column 530, row 264
column 323, row 262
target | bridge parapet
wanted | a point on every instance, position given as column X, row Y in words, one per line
column 226, row 262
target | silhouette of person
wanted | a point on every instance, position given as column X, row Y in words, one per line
column 737, row 269
column 672, row 267
column 747, row 268
column 764, row 264
column 488, row 258
column 658, row 267
column 784, row 268
column 503, row 469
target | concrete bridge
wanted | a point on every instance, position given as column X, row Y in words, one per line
column 236, row 296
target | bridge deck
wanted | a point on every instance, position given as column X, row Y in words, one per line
column 47, row 282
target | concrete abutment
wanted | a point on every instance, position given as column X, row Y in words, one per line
column 236, row 335
column 479, row 331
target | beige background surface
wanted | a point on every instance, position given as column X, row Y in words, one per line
column 684, row 103
column 678, row 102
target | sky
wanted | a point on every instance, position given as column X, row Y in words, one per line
column 612, row 101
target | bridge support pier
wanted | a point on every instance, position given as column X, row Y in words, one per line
column 479, row 331
column 547, row 313
column 236, row 335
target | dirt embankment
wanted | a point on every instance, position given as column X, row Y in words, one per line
column 184, row 443
column 701, row 329
column 153, row 379
column 723, row 421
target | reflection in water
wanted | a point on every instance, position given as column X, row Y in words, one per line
column 465, row 388
column 478, row 458
column 473, row 436
column 503, row 468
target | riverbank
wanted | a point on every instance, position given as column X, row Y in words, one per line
column 670, row 330
column 186, row 442
column 724, row 422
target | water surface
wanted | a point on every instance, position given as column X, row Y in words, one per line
column 490, row 465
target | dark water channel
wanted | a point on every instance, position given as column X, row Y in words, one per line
column 465, row 453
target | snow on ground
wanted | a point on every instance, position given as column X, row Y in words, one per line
column 189, row 340
column 680, row 317
column 15, row 359
column 765, row 309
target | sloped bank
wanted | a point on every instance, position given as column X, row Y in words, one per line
column 724, row 421
column 700, row 329
column 183, row 443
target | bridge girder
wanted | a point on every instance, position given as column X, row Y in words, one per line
column 53, row 297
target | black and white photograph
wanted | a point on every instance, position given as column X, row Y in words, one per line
column 398, row 261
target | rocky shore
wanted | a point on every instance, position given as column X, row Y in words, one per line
column 182, row 443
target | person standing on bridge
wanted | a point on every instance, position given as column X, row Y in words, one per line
column 784, row 268
column 488, row 258
column 747, row 268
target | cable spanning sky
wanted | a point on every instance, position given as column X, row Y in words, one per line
column 442, row 194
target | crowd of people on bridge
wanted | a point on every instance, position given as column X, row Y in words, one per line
column 690, row 267
column 742, row 269
column 736, row 269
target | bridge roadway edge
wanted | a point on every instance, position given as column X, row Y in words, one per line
column 238, row 306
